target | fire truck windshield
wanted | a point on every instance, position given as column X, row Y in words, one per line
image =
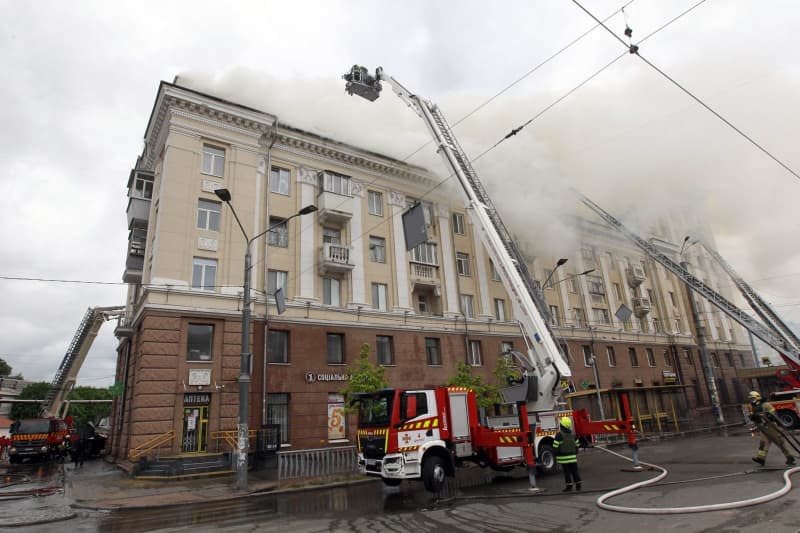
column 374, row 410
column 32, row 426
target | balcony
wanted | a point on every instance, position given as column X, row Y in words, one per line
column 334, row 208
column 636, row 276
column 423, row 275
column 138, row 212
column 334, row 258
column 641, row 306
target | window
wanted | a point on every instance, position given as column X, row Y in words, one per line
column 278, row 413
column 500, row 309
column 475, row 353
column 595, row 285
column 673, row 299
column 142, row 188
column 612, row 357
column 199, row 341
column 650, row 297
column 385, row 349
column 506, row 346
column 587, row 253
column 495, row 273
column 644, row 324
column 466, row 306
column 204, row 273
column 601, row 316
column 377, row 249
column 458, row 224
column 667, row 358
column 422, row 304
column 715, row 359
column 331, row 235
column 213, row 161
column 588, row 359
column 687, row 352
column 547, row 275
column 572, row 285
column 413, row 404
column 208, row 215
column 657, row 327
column 555, row 316
column 375, row 203
column 279, row 180
column 277, row 346
column 276, row 279
column 651, row 359
column 433, row 351
column 335, row 183
column 279, row 234
column 337, row 420
column 379, row 294
column 580, row 320
column 462, row 264
column 335, row 349
column 741, row 360
column 425, row 253
column 330, row 292
column 617, row 291
column 729, row 357
column 634, row 357
column 677, row 325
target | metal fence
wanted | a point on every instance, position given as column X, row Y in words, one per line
column 317, row 463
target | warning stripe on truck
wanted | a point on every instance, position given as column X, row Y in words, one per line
column 421, row 424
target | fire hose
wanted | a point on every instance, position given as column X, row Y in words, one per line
column 787, row 486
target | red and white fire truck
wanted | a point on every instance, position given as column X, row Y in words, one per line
column 425, row 433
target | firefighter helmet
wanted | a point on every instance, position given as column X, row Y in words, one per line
column 566, row 422
column 754, row 396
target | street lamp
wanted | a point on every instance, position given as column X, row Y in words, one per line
column 243, row 439
column 572, row 276
column 558, row 264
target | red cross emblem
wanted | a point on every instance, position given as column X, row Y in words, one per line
column 406, row 438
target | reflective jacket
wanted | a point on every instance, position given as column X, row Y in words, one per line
column 566, row 447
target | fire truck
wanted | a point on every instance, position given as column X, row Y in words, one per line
column 787, row 407
column 424, row 434
column 38, row 438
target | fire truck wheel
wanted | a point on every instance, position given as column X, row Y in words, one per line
column 547, row 460
column 391, row 482
column 788, row 419
column 15, row 460
column 433, row 473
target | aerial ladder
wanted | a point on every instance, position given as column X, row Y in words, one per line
column 773, row 331
column 67, row 372
column 546, row 370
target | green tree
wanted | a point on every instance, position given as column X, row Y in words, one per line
column 5, row 368
column 486, row 394
column 34, row 391
column 364, row 377
column 82, row 413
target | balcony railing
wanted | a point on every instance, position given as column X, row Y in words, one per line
column 334, row 258
column 641, row 306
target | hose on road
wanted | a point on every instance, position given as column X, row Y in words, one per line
column 787, row 486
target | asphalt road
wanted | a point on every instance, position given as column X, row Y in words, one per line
column 704, row 469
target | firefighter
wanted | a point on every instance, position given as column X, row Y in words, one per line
column 763, row 414
column 567, row 454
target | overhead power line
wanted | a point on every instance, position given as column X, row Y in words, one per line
column 634, row 49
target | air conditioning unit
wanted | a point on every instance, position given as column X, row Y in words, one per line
column 635, row 275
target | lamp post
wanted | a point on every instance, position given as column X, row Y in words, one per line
column 573, row 276
column 558, row 264
column 243, row 437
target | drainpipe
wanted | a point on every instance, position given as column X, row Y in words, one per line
column 268, row 177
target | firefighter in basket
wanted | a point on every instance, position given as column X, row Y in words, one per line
column 567, row 454
column 763, row 415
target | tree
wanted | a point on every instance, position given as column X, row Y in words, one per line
column 5, row 368
column 83, row 413
column 486, row 394
column 364, row 377
column 34, row 391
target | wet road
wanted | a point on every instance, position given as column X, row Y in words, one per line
column 703, row 470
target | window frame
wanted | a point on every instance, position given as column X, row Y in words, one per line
column 651, row 357
column 380, row 296
column 206, row 265
column 206, row 213
column 433, row 344
column 425, row 254
column 377, row 249
column 500, row 309
column 283, row 343
column 209, row 159
column 208, row 343
column 462, row 264
column 278, row 413
column 373, row 208
column 459, row 227
column 634, row 357
column 276, row 180
column 467, row 305
column 587, row 355
column 142, row 188
column 278, row 235
column 276, row 279
column 612, row 356
column 384, row 349
column 331, row 293
column 474, row 354
column 331, row 357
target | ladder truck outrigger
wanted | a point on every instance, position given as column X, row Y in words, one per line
column 424, row 434
column 772, row 330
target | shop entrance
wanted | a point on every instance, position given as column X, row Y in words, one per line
column 195, row 423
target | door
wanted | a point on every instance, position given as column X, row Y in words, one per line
column 195, row 429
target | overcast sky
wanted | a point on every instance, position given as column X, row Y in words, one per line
column 80, row 79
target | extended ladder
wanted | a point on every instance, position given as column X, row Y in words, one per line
column 767, row 333
column 67, row 372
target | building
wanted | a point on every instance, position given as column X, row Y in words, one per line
column 348, row 281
